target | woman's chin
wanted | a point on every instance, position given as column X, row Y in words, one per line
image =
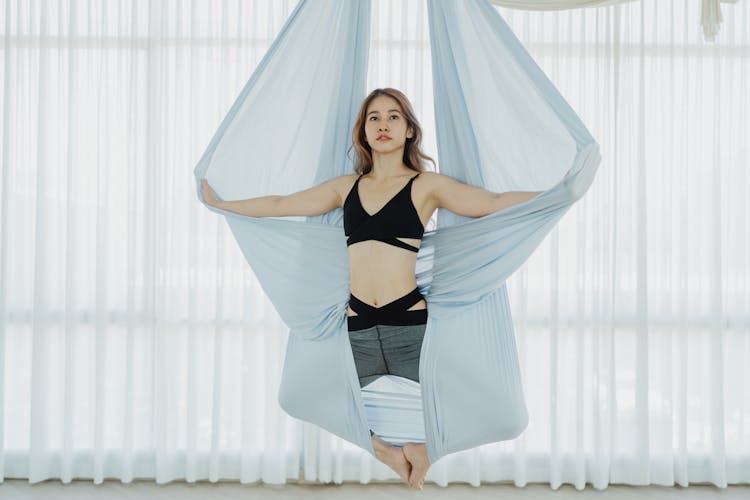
column 387, row 148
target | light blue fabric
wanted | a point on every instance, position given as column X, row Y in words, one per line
column 501, row 125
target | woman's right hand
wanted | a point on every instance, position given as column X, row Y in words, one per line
column 208, row 193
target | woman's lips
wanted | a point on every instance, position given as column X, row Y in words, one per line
column 384, row 138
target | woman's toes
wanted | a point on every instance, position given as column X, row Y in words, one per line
column 416, row 454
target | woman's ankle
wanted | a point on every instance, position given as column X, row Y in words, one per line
column 380, row 446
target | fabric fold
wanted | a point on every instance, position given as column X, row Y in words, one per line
column 501, row 125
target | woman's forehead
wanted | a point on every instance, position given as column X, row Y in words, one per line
column 383, row 104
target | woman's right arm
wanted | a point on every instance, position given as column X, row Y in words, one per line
column 316, row 200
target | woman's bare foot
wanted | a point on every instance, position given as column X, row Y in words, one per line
column 416, row 454
column 393, row 457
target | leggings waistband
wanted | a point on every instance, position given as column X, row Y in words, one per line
column 393, row 313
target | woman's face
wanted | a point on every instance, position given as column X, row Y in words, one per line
column 384, row 119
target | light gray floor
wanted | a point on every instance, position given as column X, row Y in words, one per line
column 115, row 490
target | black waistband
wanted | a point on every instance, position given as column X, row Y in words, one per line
column 392, row 313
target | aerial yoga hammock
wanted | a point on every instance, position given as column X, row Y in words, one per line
column 501, row 125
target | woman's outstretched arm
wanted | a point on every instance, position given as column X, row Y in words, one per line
column 316, row 200
column 471, row 201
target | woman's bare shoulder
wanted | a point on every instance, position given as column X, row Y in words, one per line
column 344, row 184
column 429, row 180
column 431, row 176
column 436, row 180
column 346, row 181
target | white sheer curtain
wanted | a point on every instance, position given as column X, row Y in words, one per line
column 136, row 343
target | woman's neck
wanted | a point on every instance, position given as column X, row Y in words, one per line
column 388, row 166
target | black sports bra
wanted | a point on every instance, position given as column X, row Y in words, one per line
column 397, row 219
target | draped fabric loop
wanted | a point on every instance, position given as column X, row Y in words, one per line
column 503, row 126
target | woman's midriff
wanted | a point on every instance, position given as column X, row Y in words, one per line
column 381, row 273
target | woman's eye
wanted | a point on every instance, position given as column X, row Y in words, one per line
column 394, row 116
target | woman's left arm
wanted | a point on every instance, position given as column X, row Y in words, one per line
column 471, row 201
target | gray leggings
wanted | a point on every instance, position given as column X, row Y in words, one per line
column 387, row 349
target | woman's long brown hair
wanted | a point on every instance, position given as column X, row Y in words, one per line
column 414, row 158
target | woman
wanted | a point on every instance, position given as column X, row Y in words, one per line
column 386, row 205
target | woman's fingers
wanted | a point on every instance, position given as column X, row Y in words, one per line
column 208, row 193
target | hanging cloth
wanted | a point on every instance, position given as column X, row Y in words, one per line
column 501, row 125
